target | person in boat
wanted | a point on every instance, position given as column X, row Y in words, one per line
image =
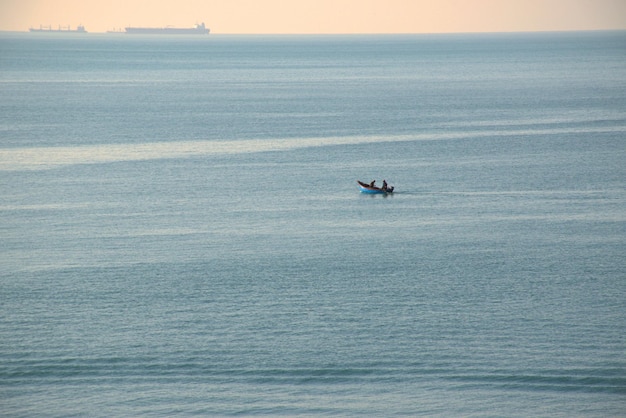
column 372, row 184
column 384, row 185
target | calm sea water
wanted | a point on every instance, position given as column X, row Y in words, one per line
column 181, row 232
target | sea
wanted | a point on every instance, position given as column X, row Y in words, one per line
column 182, row 234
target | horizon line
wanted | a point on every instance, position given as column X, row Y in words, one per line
column 87, row 32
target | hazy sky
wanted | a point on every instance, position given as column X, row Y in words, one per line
column 320, row 16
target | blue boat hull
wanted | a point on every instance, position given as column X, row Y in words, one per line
column 371, row 191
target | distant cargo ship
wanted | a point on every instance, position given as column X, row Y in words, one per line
column 60, row 29
column 198, row 30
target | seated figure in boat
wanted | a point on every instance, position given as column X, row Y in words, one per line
column 384, row 185
column 372, row 184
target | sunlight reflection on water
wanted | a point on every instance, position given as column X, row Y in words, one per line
column 44, row 158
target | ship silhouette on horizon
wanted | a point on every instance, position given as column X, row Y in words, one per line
column 199, row 29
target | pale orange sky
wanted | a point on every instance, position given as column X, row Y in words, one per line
column 320, row 16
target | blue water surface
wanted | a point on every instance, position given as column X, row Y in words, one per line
column 181, row 230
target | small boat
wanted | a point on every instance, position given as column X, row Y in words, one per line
column 366, row 188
